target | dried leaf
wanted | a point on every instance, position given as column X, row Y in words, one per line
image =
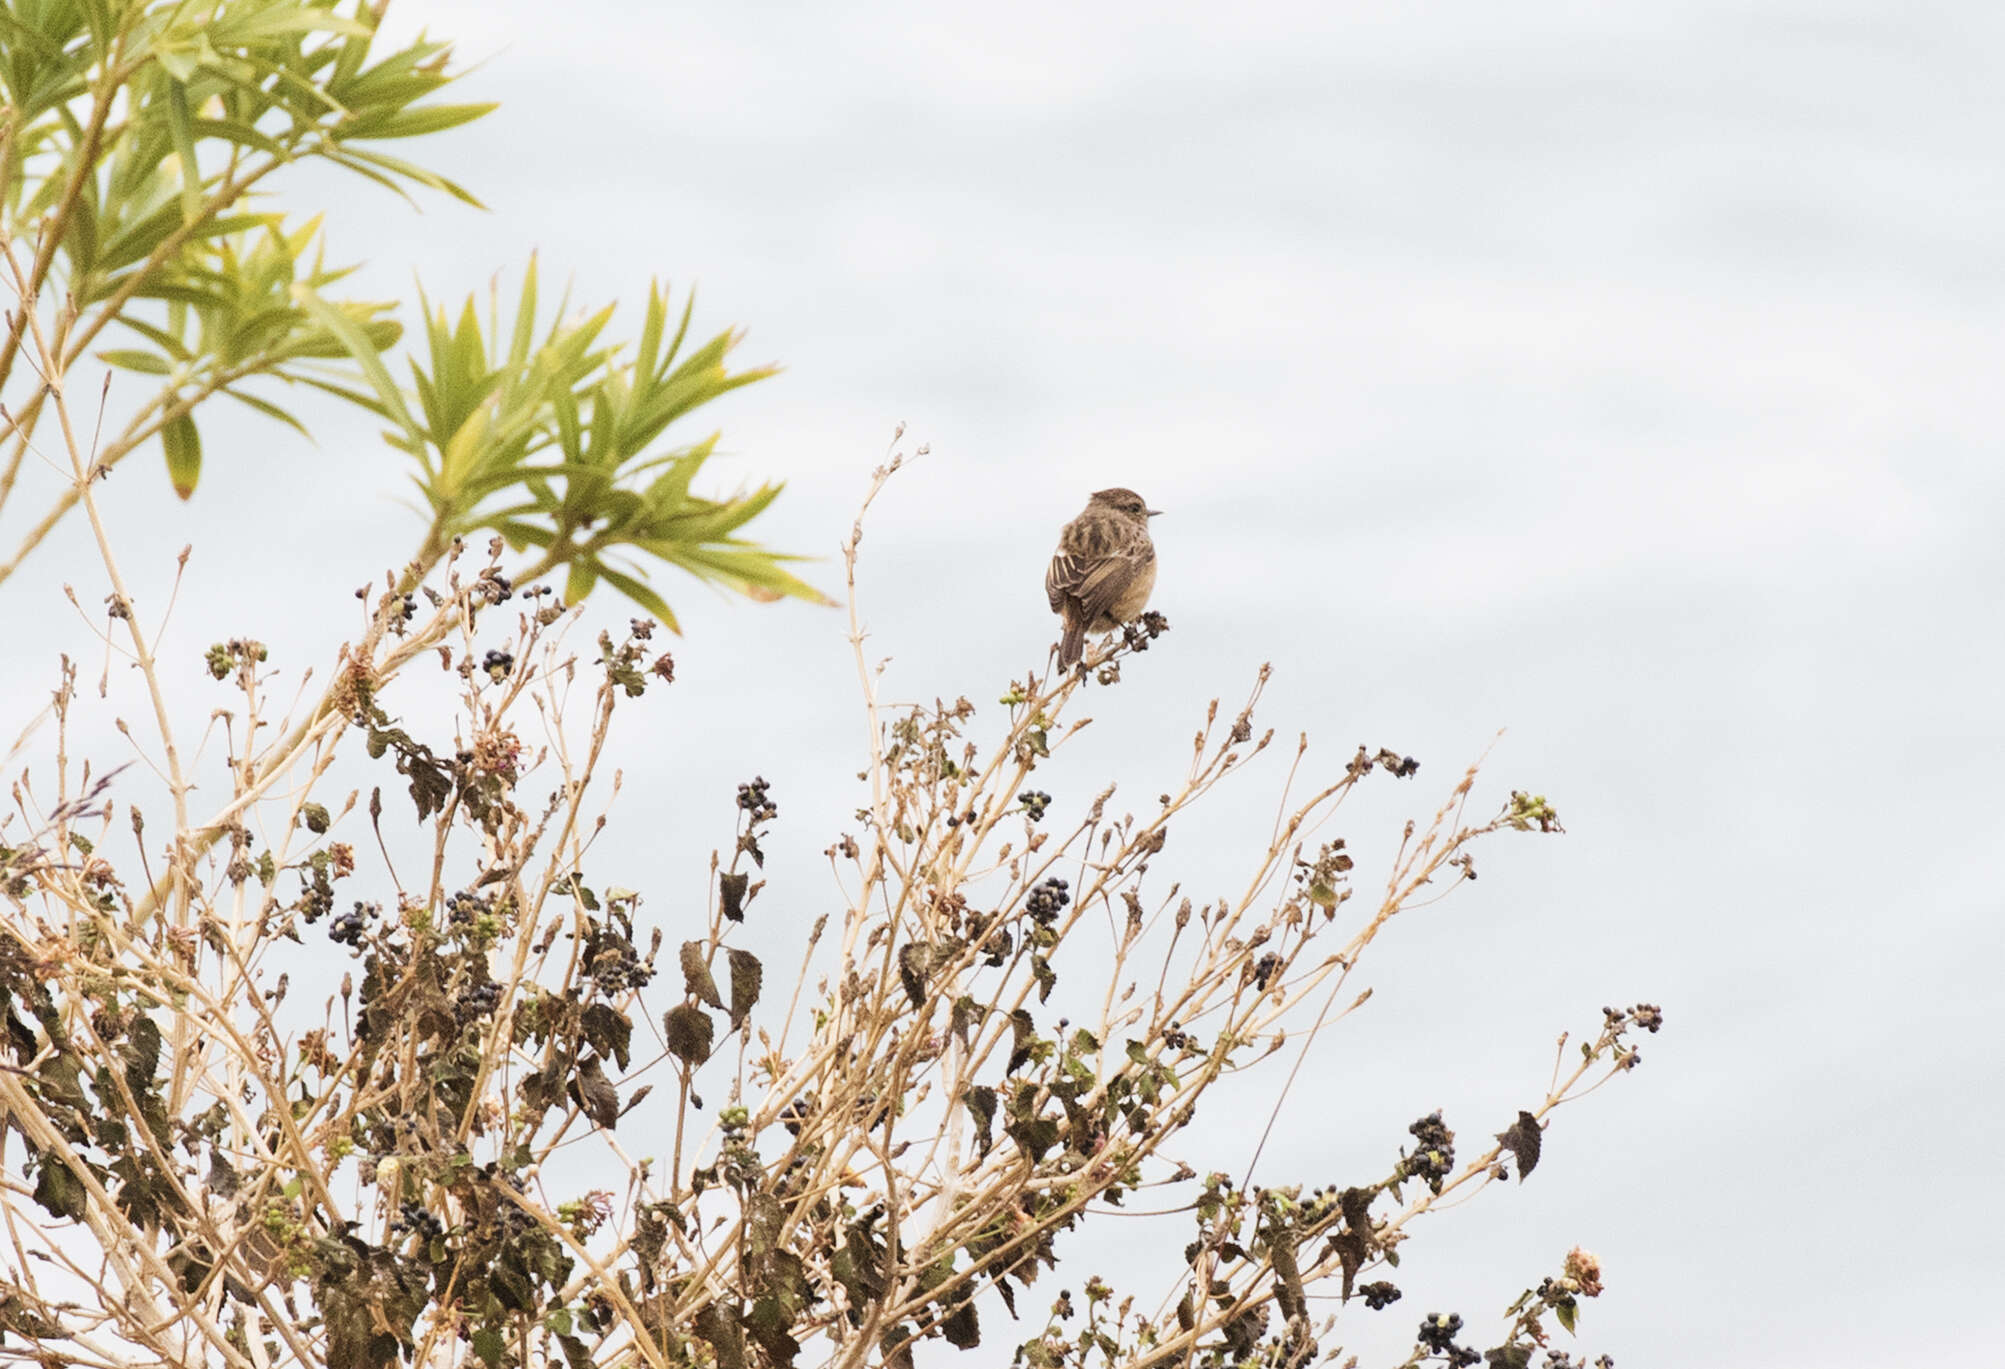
column 746, row 976
column 731, row 889
column 719, row 1325
column 696, row 979
column 1287, row 1276
column 961, row 1327
column 1522, row 1139
column 595, row 1093
column 689, row 1032
column 981, row 1101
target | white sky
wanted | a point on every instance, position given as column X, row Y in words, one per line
column 1626, row 377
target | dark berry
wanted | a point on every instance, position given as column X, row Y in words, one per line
column 1047, row 900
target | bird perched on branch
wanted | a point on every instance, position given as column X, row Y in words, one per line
column 1103, row 570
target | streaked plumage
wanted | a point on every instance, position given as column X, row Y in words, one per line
column 1103, row 570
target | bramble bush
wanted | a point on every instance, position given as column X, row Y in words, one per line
column 994, row 1041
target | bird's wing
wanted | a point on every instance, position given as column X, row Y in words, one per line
column 1059, row 578
column 1106, row 582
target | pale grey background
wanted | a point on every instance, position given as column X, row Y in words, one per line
column 1626, row 377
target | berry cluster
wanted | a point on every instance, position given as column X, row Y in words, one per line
column 465, row 908
column 224, row 657
column 1433, row 1154
column 1265, row 969
column 1034, row 801
column 754, row 800
column 1437, row 1336
column 1378, row 1295
column 414, row 1218
column 494, row 587
column 347, row 928
column 617, row 966
column 1047, row 901
column 795, row 1115
column 497, row 664
column 477, row 1002
column 316, row 897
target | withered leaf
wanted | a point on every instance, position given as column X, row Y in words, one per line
column 609, row 1032
column 1287, row 1276
column 767, row 1324
column 720, row 1326
column 1023, row 1034
column 1522, row 1139
column 689, row 1032
column 1356, row 1206
column 961, row 1327
column 1353, row 1246
column 915, row 965
column 981, row 1101
column 765, row 1222
column 731, row 889
column 696, row 978
column 746, row 977
column 1034, row 1135
column 59, row 1191
column 595, row 1094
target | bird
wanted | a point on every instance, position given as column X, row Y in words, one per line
column 1103, row 570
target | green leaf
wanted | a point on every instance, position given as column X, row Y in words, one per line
column 183, row 446
column 138, row 239
column 461, row 452
column 184, row 150
column 268, row 409
column 525, row 317
column 276, row 20
column 411, row 123
column 380, row 168
column 640, row 594
column 177, row 63
column 338, row 322
column 129, row 360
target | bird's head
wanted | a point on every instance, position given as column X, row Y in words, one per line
column 1124, row 501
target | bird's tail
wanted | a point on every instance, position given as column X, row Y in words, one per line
column 1073, row 644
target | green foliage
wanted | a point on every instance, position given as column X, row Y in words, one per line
column 550, row 438
column 133, row 147
column 134, row 138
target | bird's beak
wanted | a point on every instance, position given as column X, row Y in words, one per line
column 1152, row 512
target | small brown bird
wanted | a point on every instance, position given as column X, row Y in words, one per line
column 1103, row 571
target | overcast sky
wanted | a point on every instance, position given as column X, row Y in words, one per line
column 1625, row 377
